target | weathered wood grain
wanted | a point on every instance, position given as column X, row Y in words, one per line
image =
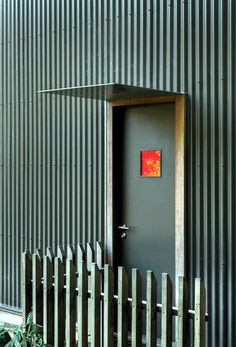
column 166, row 312
column 182, row 327
column 59, row 299
column 95, row 306
column 37, row 295
column 200, row 309
column 48, row 297
column 151, row 313
column 108, row 319
column 99, row 255
column 70, row 303
column 26, row 284
column 136, row 320
column 82, row 305
column 122, row 329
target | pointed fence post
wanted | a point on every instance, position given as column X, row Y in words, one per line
column 90, row 255
column 71, row 253
column 59, row 299
column 48, row 298
column 151, row 311
column 182, row 333
column 136, row 323
column 70, row 303
column 82, row 307
column 37, row 272
column 100, row 264
column 95, row 305
column 122, row 331
column 108, row 319
column 26, row 284
column 99, row 255
column 166, row 312
column 80, row 253
column 200, row 310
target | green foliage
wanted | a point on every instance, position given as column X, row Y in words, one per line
column 4, row 337
column 22, row 336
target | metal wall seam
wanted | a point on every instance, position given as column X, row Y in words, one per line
column 206, row 145
column 1, row 155
column 231, row 168
column 214, row 225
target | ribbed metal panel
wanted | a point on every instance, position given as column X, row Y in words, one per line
column 52, row 147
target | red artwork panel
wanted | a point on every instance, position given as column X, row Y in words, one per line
column 151, row 163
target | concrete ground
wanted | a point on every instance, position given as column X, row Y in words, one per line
column 10, row 317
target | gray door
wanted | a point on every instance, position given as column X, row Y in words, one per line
column 145, row 204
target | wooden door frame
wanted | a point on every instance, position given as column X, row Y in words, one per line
column 180, row 215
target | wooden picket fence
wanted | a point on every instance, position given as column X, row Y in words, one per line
column 73, row 297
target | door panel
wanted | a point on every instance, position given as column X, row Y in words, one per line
column 145, row 204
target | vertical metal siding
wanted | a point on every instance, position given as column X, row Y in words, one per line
column 52, row 147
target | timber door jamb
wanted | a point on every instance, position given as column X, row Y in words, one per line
column 180, row 157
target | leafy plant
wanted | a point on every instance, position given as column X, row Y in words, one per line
column 22, row 336
column 4, row 337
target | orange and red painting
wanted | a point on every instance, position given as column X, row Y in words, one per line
column 151, row 163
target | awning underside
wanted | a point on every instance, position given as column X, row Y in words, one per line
column 108, row 92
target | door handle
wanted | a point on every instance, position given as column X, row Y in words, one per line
column 124, row 228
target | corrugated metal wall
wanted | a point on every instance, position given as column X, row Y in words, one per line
column 52, row 148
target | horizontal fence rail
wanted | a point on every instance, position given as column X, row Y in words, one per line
column 78, row 301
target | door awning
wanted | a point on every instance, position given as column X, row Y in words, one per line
column 108, row 92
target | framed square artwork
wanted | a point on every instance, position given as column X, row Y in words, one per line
column 150, row 163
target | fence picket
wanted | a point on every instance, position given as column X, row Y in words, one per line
column 26, row 284
column 122, row 330
column 99, row 255
column 90, row 255
column 80, row 253
column 151, row 317
column 70, row 303
column 71, row 253
column 166, row 312
column 199, row 319
column 182, row 334
column 59, row 301
column 95, row 306
column 100, row 264
column 37, row 294
column 108, row 307
column 82, row 305
column 94, row 282
column 48, row 298
column 136, row 323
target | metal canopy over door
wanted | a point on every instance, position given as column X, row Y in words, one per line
column 144, row 187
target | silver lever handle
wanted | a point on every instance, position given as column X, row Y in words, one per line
column 123, row 227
